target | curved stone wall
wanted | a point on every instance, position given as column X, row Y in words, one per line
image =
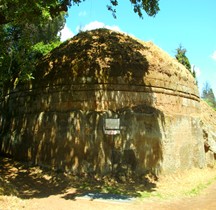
column 58, row 118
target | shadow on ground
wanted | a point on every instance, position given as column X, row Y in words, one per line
column 27, row 182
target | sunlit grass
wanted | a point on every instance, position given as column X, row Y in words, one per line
column 183, row 184
column 173, row 186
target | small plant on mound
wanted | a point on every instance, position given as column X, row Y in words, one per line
column 182, row 58
column 208, row 95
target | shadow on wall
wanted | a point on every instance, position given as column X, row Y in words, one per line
column 75, row 140
column 58, row 121
column 143, row 138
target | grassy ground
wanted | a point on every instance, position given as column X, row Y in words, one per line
column 25, row 187
column 182, row 184
column 17, row 178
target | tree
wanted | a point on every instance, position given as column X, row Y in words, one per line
column 194, row 72
column 208, row 95
column 20, row 11
column 182, row 58
column 23, row 44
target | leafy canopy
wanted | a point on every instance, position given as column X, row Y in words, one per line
column 23, row 44
column 19, row 11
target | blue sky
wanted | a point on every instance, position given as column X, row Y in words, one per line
column 191, row 23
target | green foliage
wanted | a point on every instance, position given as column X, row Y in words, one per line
column 151, row 7
column 21, row 45
column 22, row 11
column 40, row 49
column 194, row 73
column 182, row 58
column 208, row 95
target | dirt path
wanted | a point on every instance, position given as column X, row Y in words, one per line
column 206, row 201
column 36, row 190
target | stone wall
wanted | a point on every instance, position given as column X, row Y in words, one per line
column 63, row 127
column 57, row 119
column 208, row 117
